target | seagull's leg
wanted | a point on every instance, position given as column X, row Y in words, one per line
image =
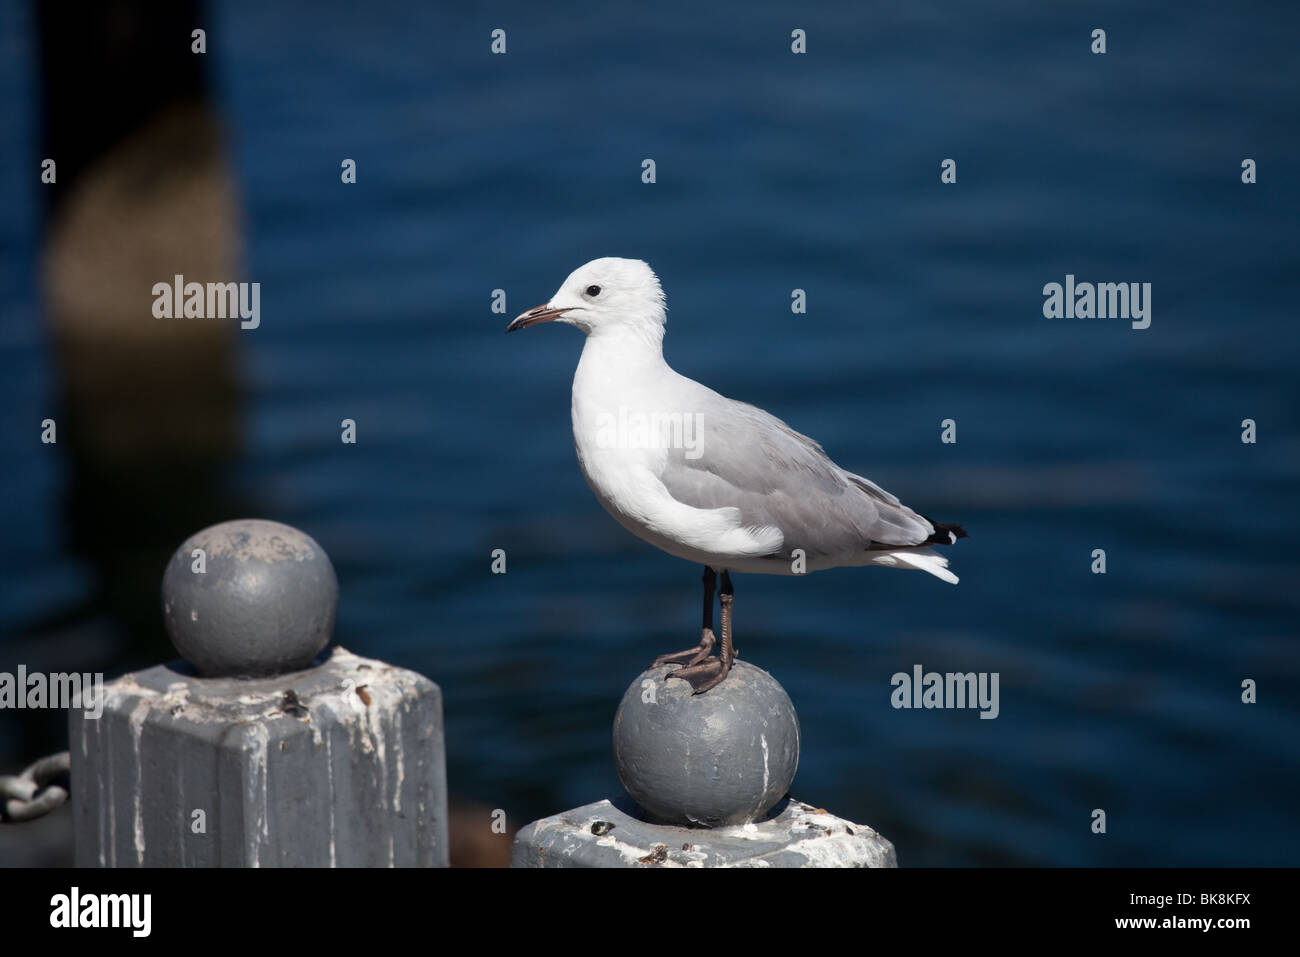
column 693, row 656
column 710, row 672
column 727, row 599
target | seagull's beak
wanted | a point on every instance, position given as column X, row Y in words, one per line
column 536, row 314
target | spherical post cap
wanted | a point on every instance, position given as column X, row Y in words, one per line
column 723, row 757
column 249, row 598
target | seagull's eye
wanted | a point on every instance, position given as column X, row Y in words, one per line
column 593, row 291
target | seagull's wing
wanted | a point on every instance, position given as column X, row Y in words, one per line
column 752, row 461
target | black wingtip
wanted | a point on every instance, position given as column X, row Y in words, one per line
column 945, row 533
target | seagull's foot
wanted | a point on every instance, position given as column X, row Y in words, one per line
column 702, row 676
column 691, row 656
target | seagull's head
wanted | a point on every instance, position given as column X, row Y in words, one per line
column 602, row 296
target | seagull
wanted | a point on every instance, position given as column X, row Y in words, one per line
column 708, row 479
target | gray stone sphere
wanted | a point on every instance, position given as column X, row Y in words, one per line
column 263, row 604
column 723, row 757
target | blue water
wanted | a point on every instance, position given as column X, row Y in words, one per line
column 775, row 171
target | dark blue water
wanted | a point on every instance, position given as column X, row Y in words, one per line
column 475, row 172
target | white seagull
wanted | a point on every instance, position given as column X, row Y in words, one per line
column 706, row 478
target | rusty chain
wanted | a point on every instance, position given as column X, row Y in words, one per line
column 37, row 791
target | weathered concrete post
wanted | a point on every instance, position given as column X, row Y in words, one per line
column 260, row 750
column 709, row 775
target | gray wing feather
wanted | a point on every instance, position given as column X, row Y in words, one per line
column 775, row 476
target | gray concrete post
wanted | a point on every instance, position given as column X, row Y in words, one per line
column 261, row 750
column 709, row 775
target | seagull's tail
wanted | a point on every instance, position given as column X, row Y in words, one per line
column 924, row 559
